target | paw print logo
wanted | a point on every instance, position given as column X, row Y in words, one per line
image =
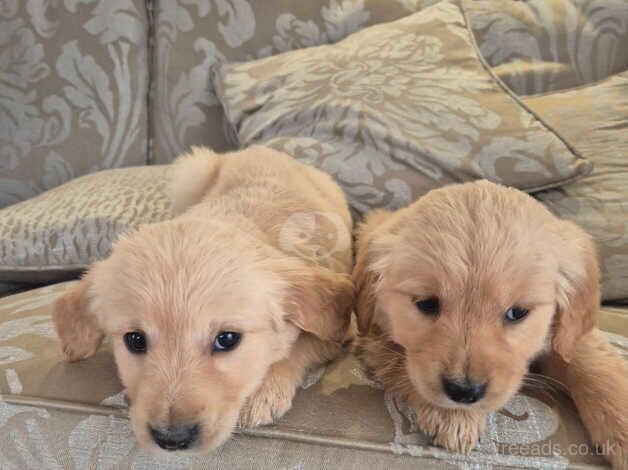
column 314, row 235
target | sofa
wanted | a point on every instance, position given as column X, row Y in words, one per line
column 99, row 96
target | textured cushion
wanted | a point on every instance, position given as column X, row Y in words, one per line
column 74, row 415
column 595, row 120
column 73, row 86
column 543, row 45
column 59, row 233
column 535, row 46
column 192, row 35
column 394, row 111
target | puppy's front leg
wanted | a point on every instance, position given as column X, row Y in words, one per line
column 457, row 430
column 274, row 397
column 597, row 380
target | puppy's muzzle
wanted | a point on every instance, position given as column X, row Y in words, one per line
column 465, row 391
column 175, row 437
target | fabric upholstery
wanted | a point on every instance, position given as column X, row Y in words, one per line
column 57, row 234
column 594, row 119
column 395, row 110
column 549, row 45
column 192, row 35
column 73, row 91
column 65, row 415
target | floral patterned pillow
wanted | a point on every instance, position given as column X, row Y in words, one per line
column 396, row 110
column 192, row 35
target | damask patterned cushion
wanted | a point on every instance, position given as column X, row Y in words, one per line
column 192, row 35
column 73, row 86
column 595, row 120
column 543, row 45
column 394, row 111
column 534, row 46
column 62, row 415
column 57, row 234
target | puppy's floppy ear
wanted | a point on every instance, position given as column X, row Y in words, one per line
column 75, row 323
column 578, row 289
column 319, row 301
column 365, row 276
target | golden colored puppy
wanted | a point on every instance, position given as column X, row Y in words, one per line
column 211, row 320
column 459, row 292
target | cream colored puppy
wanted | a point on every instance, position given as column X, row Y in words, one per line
column 215, row 316
column 459, row 292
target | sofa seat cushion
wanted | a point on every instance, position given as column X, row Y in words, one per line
column 55, row 412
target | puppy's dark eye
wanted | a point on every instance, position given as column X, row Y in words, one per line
column 135, row 342
column 515, row 314
column 429, row 306
column 226, row 341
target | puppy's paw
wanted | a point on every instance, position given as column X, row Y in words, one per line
column 455, row 430
column 269, row 403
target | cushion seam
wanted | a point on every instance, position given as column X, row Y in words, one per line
column 580, row 172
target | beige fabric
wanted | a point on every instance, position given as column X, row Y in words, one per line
column 73, row 88
column 394, row 111
column 544, row 45
column 59, row 233
column 75, row 77
column 594, row 119
column 537, row 45
column 36, row 438
column 75, row 416
column 192, row 35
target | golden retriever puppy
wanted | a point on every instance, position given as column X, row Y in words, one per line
column 458, row 293
column 211, row 320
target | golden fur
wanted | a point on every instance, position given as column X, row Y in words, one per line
column 218, row 265
column 480, row 249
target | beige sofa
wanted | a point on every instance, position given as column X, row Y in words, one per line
column 124, row 86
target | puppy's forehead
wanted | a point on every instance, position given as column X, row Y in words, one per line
column 478, row 234
column 170, row 284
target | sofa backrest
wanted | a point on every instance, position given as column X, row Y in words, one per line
column 98, row 84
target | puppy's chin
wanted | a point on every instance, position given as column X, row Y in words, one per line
column 211, row 435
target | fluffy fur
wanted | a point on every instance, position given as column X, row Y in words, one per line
column 218, row 266
column 480, row 249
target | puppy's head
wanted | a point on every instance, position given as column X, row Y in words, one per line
column 474, row 281
column 196, row 314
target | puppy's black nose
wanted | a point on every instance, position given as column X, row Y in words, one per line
column 464, row 391
column 175, row 437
